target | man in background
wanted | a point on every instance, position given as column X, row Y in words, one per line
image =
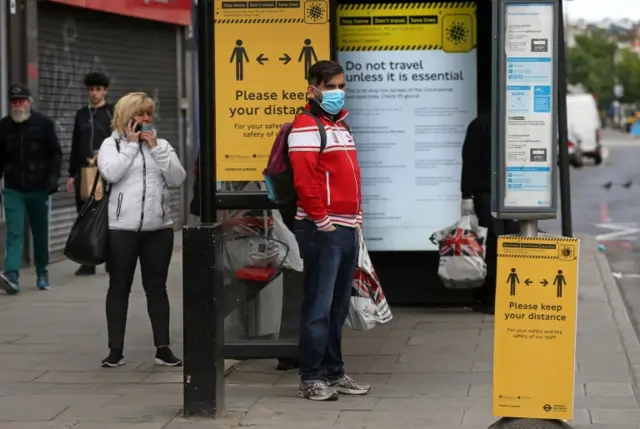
column 92, row 126
column 30, row 161
column 476, row 197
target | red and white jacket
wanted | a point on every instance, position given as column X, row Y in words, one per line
column 327, row 183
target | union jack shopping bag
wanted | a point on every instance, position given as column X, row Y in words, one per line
column 368, row 306
column 462, row 248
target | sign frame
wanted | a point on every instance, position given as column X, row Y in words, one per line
column 214, row 200
column 499, row 112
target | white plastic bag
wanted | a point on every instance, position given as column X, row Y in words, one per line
column 462, row 248
column 288, row 246
column 368, row 306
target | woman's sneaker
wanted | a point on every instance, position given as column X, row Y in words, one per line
column 317, row 391
column 348, row 386
column 114, row 360
column 165, row 357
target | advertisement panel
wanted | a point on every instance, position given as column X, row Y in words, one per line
column 411, row 92
column 263, row 52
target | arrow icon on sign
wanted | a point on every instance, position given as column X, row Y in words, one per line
column 285, row 60
column 261, row 59
column 544, row 282
column 528, row 282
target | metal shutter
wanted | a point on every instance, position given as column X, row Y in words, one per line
column 137, row 55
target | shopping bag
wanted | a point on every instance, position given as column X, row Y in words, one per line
column 368, row 306
column 87, row 177
column 462, row 248
column 88, row 240
column 289, row 252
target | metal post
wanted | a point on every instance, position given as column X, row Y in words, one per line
column 206, row 107
column 202, row 276
column 528, row 228
column 563, row 142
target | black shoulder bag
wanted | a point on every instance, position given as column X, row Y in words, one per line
column 88, row 240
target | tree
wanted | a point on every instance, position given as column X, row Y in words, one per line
column 628, row 73
column 591, row 63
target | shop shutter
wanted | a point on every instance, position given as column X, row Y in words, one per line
column 137, row 55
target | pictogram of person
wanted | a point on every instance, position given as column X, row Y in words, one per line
column 513, row 280
column 560, row 282
column 309, row 55
column 240, row 55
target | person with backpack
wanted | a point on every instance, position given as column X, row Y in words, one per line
column 326, row 181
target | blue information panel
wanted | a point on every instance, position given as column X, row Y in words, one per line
column 528, row 124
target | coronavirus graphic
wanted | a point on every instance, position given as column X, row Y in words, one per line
column 315, row 11
column 457, row 33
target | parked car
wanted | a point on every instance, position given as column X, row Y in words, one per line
column 584, row 121
column 576, row 157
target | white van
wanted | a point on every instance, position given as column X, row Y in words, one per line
column 583, row 120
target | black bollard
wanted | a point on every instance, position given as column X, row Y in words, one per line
column 203, row 326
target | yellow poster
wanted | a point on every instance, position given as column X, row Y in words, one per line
column 407, row 26
column 263, row 50
column 535, row 327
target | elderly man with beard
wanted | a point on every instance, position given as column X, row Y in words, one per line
column 30, row 161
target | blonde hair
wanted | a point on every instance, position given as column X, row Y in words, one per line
column 130, row 105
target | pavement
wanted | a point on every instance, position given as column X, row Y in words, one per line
column 430, row 369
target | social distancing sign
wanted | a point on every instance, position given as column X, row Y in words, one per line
column 407, row 26
column 535, row 327
column 263, row 52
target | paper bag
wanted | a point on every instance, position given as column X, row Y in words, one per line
column 87, row 176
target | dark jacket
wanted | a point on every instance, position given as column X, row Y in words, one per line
column 476, row 158
column 91, row 128
column 30, row 154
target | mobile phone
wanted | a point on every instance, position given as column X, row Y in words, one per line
column 143, row 127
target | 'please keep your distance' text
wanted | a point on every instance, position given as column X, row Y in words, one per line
column 542, row 311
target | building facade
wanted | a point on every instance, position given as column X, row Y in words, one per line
column 139, row 44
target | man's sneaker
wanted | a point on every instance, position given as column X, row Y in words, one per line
column 43, row 283
column 348, row 386
column 86, row 270
column 9, row 282
column 114, row 360
column 165, row 357
column 317, row 391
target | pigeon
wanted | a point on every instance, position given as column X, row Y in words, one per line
column 627, row 185
column 607, row 185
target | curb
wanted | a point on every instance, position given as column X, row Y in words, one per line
column 621, row 317
column 230, row 366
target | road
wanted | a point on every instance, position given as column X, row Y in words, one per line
column 606, row 204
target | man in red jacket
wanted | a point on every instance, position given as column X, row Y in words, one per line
column 327, row 227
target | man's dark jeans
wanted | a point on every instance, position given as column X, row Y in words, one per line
column 330, row 260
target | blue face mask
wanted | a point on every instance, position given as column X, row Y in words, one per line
column 332, row 101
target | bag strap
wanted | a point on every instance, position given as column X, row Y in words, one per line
column 321, row 129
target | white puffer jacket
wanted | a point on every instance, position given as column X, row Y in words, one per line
column 140, row 179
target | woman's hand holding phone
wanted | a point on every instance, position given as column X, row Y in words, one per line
column 132, row 134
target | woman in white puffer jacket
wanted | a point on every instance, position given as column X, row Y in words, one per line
column 140, row 168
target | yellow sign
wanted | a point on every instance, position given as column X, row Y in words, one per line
column 535, row 327
column 407, row 26
column 263, row 51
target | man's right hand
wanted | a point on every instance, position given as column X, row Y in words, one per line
column 71, row 185
column 331, row 228
column 467, row 207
